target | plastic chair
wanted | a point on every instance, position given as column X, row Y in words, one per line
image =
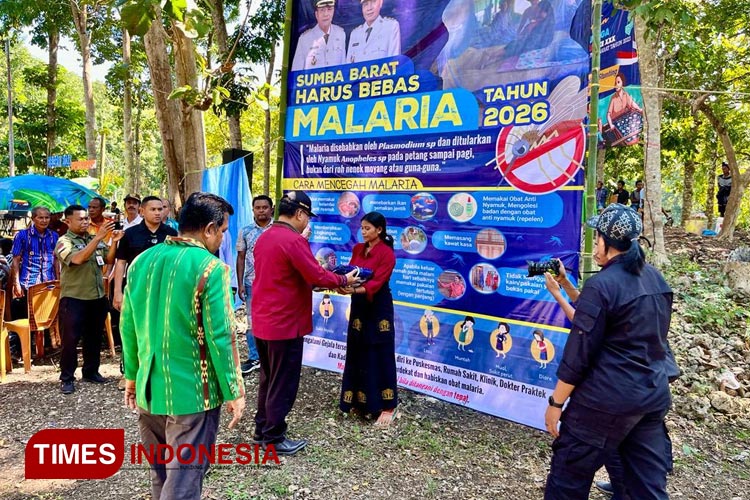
column 43, row 300
column 5, row 361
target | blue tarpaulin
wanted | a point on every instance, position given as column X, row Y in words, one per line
column 230, row 182
column 54, row 193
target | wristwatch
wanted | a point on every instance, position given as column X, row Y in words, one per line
column 553, row 403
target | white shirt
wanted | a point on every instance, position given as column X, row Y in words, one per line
column 384, row 41
column 136, row 221
column 314, row 52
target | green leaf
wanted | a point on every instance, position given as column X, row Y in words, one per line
column 137, row 17
column 180, row 92
column 38, row 199
column 175, row 9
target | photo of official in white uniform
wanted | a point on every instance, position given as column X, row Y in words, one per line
column 322, row 45
column 376, row 38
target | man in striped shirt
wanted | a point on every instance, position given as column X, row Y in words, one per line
column 33, row 259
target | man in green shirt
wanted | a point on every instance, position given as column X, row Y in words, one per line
column 181, row 357
column 83, row 306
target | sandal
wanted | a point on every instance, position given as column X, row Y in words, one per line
column 386, row 418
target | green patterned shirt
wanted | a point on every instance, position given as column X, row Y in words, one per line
column 176, row 327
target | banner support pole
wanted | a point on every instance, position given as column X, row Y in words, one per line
column 283, row 99
column 593, row 141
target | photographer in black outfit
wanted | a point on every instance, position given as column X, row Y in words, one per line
column 615, row 369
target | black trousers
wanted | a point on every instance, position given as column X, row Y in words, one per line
column 178, row 479
column 19, row 308
column 280, row 370
column 81, row 319
column 589, row 438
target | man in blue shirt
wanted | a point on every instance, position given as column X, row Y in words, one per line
column 33, row 259
column 263, row 218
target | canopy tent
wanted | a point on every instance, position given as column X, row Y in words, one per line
column 40, row 190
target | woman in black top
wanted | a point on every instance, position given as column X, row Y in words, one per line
column 615, row 370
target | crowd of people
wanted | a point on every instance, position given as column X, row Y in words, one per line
column 635, row 198
column 176, row 304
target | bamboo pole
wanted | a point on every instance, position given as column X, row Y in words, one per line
column 282, row 98
column 590, row 205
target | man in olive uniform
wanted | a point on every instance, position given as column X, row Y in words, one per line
column 322, row 45
column 376, row 38
column 83, row 305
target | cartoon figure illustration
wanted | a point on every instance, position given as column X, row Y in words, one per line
column 326, row 308
column 464, row 332
column 500, row 339
column 539, row 159
column 429, row 326
column 542, row 350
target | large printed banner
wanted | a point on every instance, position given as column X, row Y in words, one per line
column 620, row 104
column 461, row 121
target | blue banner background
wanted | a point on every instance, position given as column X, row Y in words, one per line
column 470, row 142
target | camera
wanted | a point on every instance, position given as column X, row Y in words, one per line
column 118, row 222
column 543, row 266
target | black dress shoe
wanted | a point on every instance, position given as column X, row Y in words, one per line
column 96, row 379
column 605, row 487
column 288, row 446
column 67, row 387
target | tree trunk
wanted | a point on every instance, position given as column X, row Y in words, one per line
column 80, row 18
column 687, row 191
column 739, row 181
column 11, row 140
column 53, row 44
column 168, row 113
column 194, row 160
column 267, row 126
column 651, row 78
column 235, row 133
column 220, row 31
column 601, row 159
column 102, row 158
column 127, row 115
column 137, row 150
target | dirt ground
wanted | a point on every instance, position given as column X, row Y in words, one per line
column 435, row 450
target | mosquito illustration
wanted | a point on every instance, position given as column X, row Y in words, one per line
column 539, row 159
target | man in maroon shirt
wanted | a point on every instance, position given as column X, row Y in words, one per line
column 285, row 273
